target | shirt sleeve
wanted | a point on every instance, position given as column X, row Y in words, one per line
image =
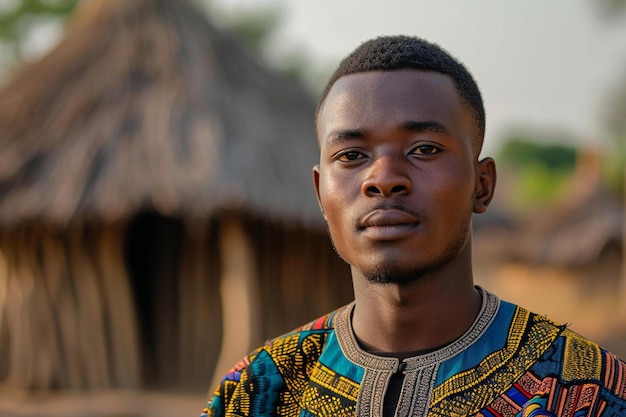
column 217, row 405
column 255, row 387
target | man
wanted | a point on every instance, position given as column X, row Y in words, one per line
column 400, row 127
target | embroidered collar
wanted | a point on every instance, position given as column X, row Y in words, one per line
column 360, row 357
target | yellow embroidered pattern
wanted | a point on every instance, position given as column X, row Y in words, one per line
column 583, row 360
column 336, row 383
column 498, row 370
column 304, row 378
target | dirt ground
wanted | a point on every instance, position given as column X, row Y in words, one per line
column 100, row 404
column 591, row 305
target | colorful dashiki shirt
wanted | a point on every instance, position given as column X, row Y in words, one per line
column 509, row 363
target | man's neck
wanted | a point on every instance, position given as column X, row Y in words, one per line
column 418, row 316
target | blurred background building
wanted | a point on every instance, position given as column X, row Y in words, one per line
column 156, row 207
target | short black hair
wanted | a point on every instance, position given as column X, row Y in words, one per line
column 388, row 53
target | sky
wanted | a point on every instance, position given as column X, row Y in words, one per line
column 544, row 65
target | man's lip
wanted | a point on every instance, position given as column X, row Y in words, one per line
column 388, row 217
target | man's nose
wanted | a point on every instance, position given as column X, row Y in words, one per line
column 387, row 176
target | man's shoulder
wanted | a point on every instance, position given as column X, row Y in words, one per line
column 309, row 337
column 574, row 359
column 281, row 363
column 570, row 368
column 584, row 355
column 323, row 324
column 527, row 328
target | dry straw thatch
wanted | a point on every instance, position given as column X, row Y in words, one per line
column 145, row 105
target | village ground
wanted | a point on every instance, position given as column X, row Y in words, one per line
column 590, row 305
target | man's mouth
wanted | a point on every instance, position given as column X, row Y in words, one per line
column 388, row 217
column 388, row 224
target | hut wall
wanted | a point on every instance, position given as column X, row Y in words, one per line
column 279, row 276
column 67, row 316
column 138, row 305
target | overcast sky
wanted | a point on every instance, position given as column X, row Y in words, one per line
column 543, row 64
column 547, row 65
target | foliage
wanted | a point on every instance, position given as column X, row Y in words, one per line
column 611, row 9
column 255, row 27
column 536, row 172
column 519, row 152
column 19, row 17
column 613, row 169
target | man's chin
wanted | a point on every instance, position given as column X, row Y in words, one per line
column 400, row 277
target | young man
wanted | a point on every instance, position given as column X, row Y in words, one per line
column 400, row 127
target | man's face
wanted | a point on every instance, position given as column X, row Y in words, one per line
column 398, row 176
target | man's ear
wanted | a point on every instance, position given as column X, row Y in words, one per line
column 485, row 184
column 316, row 184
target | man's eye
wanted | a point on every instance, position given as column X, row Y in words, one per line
column 350, row 156
column 426, row 150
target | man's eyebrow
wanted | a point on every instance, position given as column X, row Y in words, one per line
column 426, row 126
column 341, row 135
column 411, row 126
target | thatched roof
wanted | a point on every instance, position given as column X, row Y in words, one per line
column 573, row 234
column 144, row 105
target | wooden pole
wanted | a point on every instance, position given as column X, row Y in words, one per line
column 200, row 309
column 239, row 292
column 122, row 327
column 91, row 312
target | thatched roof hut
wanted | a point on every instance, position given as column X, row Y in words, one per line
column 581, row 229
column 155, row 186
column 571, row 235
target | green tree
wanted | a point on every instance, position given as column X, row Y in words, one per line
column 256, row 27
column 538, row 169
column 611, row 9
column 20, row 18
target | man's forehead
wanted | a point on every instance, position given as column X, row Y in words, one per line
column 398, row 83
column 392, row 74
column 405, row 89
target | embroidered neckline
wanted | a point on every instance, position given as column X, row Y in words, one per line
column 355, row 354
